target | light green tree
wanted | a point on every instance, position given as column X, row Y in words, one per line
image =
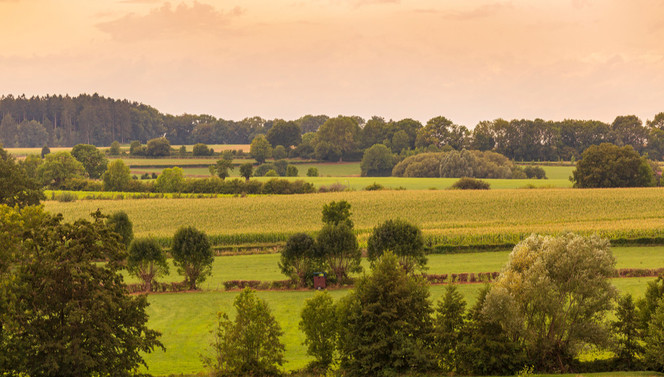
column 319, row 325
column 170, row 180
column 117, row 176
column 260, row 149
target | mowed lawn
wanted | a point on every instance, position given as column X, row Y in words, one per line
column 186, row 319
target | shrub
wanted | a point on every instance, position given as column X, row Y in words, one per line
column 312, row 172
column 279, row 152
column 262, row 169
column 470, row 184
column 374, row 187
column 159, row 147
column 291, row 171
column 66, row 197
column 271, row 173
column 535, row 172
column 201, row 149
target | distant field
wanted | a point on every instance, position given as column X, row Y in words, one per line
column 186, row 319
column 446, row 217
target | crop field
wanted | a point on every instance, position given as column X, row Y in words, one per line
column 447, row 217
column 186, row 319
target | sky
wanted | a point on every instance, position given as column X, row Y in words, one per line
column 467, row 60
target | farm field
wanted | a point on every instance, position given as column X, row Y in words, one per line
column 186, row 319
column 446, row 217
column 264, row 266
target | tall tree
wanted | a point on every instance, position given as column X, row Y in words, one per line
column 340, row 132
column 17, row 188
column 93, row 159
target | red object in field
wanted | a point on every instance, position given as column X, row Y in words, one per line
column 319, row 280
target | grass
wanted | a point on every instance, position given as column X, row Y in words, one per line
column 446, row 217
column 186, row 319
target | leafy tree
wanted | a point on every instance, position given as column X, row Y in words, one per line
column 402, row 238
column 337, row 247
column 448, row 328
column 607, row 165
column 297, row 258
column 44, row 151
column 400, row 141
column 246, row 170
column 146, row 261
column 221, row 168
column 552, row 296
column 93, row 159
column 312, row 172
column 458, row 164
column 120, row 223
column 281, row 167
column 629, row 130
column 385, row 323
column 657, row 121
column 136, row 149
column 319, row 325
column 201, row 149
column 336, row 213
column 279, row 152
column 159, row 147
column 31, row 134
column 16, row 187
column 440, row 131
column 170, row 180
column 535, row 172
column 651, row 300
column 260, row 149
column 336, row 138
column 58, row 168
column 483, row 137
column 249, row 345
column 284, row 133
column 654, row 340
column 69, row 315
column 114, row 150
column 291, row 171
column 192, row 255
column 377, row 161
column 117, row 176
column 626, row 328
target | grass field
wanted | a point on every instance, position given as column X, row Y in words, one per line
column 446, row 217
column 186, row 319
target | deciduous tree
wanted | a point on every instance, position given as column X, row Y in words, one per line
column 192, row 255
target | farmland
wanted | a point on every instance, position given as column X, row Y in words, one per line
column 446, row 217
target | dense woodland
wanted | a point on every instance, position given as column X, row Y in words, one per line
column 97, row 120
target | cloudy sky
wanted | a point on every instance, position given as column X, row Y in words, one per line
column 468, row 60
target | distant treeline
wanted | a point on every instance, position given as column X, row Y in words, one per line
column 94, row 119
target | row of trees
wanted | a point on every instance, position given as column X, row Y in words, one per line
column 551, row 302
column 93, row 119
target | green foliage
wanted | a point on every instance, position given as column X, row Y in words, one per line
column 385, row 323
column 16, row 187
column 377, row 161
column 291, row 171
column 319, row 325
column 553, row 295
column 117, row 176
column 136, row 149
column 248, row 345
column 420, row 165
column 458, row 164
column 470, row 184
column 654, row 340
column 400, row 237
column 201, row 149
column 297, row 258
column 337, row 246
column 440, row 131
column 68, row 315
column 44, row 151
column 283, row 133
column 246, row 170
column 93, row 159
column 336, row 138
column 651, row 300
column 114, row 150
column 535, row 172
column 271, row 173
column 260, row 149
column 448, row 329
column 221, row 168
column 146, row 261
column 279, row 152
column 374, row 187
column 312, row 172
column 119, row 223
column 170, row 180
column 626, row 330
column 192, row 255
column 159, row 147
column 608, row 165
column 59, row 167
column 336, row 213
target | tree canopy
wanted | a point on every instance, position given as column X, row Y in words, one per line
column 608, row 165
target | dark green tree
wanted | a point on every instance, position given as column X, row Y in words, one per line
column 385, row 324
column 607, row 165
column 279, row 152
column 337, row 247
column 120, row 223
column 117, row 176
column 192, row 255
column 284, row 133
column 336, row 138
column 158, row 147
column 249, row 345
column 260, row 149
column 291, row 171
column 146, row 261
column 16, row 187
column 400, row 237
column 336, row 213
column 201, row 149
column 377, row 161
column 221, row 168
column 93, row 159
column 69, row 315
column 297, row 258
column 319, row 325
column 246, row 170
column 44, row 151
column 654, row 340
column 58, row 168
column 626, row 329
column 114, row 150
column 448, row 329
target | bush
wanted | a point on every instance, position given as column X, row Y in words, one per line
column 312, row 172
column 374, row 187
column 291, row 171
column 114, row 150
column 248, row 345
column 192, row 255
column 201, row 149
column 535, row 172
column 608, row 165
column 279, row 152
column 271, row 173
column 66, row 197
column 262, row 169
column 159, row 147
column 470, row 184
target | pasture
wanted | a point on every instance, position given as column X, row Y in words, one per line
column 448, row 217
